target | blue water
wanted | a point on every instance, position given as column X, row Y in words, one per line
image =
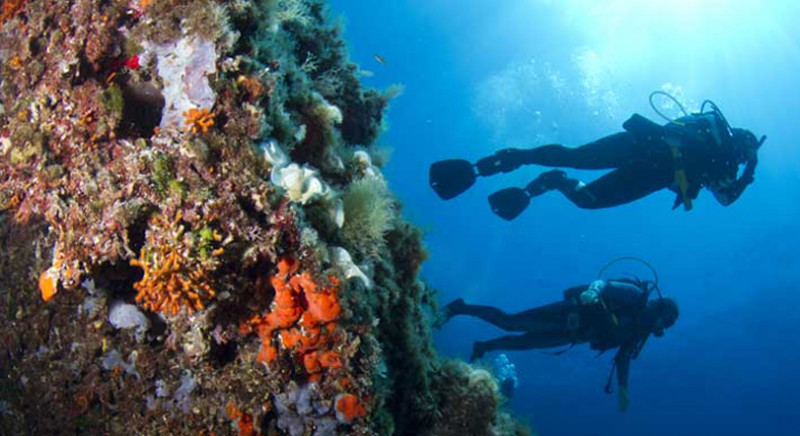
column 482, row 75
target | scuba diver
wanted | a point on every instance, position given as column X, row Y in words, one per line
column 606, row 313
column 684, row 155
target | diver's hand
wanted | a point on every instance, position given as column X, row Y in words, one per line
column 505, row 160
column 749, row 171
column 623, row 402
column 591, row 296
column 751, row 155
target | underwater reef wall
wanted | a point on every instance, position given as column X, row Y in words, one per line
column 196, row 235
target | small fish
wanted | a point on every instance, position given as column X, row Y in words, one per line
column 379, row 59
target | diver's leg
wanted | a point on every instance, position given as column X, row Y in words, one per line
column 533, row 321
column 611, row 151
column 492, row 315
column 618, row 187
column 526, row 341
column 608, row 152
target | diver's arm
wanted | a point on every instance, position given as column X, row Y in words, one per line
column 728, row 191
column 623, row 363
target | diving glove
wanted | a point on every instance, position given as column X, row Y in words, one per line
column 504, row 161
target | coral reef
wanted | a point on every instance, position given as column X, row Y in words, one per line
column 195, row 236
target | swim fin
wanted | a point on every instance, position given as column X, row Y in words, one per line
column 451, row 177
column 509, row 203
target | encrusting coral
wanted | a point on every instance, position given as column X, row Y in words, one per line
column 304, row 317
column 196, row 238
column 173, row 280
column 199, row 120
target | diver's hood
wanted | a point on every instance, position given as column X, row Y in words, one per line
column 660, row 314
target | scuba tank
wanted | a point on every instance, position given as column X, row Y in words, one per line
column 697, row 126
column 691, row 127
column 642, row 127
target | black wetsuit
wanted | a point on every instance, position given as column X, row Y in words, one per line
column 642, row 161
column 617, row 322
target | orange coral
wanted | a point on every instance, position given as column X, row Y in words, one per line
column 48, row 283
column 304, row 315
column 348, row 408
column 170, row 282
column 314, row 362
column 329, row 359
column 286, row 308
column 245, row 420
column 15, row 63
column 291, row 337
column 323, row 305
column 10, row 9
column 267, row 353
column 51, row 279
column 199, row 120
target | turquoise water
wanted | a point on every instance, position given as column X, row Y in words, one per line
column 483, row 75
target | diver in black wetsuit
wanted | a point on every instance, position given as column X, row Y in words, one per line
column 685, row 155
column 606, row 314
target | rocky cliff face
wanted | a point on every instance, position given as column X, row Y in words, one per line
column 197, row 237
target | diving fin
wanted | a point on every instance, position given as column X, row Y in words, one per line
column 451, row 177
column 509, row 203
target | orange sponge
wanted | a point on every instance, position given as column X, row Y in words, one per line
column 349, row 408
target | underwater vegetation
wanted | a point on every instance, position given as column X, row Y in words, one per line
column 197, row 238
